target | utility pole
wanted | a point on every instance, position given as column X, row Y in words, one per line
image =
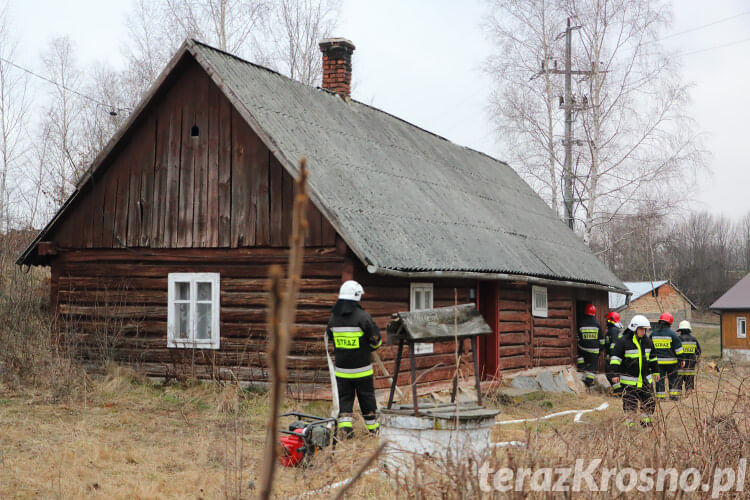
column 568, row 141
column 569, row 105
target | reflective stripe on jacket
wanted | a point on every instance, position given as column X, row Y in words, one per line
column 691, row 350
column 590, row 335
column 667, row 344
column 354, row 335
column 633, row 360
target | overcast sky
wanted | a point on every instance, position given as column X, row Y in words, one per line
column 421, row 60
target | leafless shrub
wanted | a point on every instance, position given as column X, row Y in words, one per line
column 33, row 354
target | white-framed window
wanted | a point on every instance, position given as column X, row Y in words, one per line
column 741, row 328
column 539, row 301
column 420, row 298
column 193, row 314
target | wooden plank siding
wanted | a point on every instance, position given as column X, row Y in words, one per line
column 169, row 189
column 729, row 330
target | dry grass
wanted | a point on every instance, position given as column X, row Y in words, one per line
column 708, row 430
column 130, row 438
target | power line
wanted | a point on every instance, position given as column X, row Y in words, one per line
column 728, row 44
column 696, row 28
column 60, row 85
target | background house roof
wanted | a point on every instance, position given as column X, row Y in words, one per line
column 402, row 198
column 737, row 297
column 639, row 289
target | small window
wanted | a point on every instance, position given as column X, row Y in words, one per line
column 741, row 328
column 193, row 314
column 539, row 301
column 421, row 298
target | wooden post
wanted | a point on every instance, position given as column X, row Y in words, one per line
column 458, row 366
column 395, row 373
column 476, row 368
column 413, row 378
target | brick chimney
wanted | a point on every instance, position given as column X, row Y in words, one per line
column 337, row 65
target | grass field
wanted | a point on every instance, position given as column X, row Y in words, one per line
column 127, row 437
column 710, row 340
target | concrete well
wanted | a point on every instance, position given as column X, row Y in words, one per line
column 447, row 434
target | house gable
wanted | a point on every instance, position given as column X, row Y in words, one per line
column 189, row 174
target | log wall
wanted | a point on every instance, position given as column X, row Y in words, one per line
column 385, row 296
column 113, row 303
column 524, row 341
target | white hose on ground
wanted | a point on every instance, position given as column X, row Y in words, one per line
column 577, row 413
column 332, row 486
column 508, row 444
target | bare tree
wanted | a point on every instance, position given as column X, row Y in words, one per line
column 156, row 30
column 14, row 113
column 65, row 153
column 296, row 27
column 634, row 138
column 232, row 25
column 111, row 98
column 152, row 39
column 523, row 104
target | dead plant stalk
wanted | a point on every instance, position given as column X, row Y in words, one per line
column 282, row 309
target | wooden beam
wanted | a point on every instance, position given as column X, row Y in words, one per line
column 47, row 248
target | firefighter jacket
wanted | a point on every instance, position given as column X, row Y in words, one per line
column 633, row 360
column 614, row 332
column 691, row 350
column 354, row 335
column 590, row 335
column 667, row 344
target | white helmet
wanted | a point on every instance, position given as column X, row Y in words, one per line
column 351, row 290
column 685, row 325
column 639, row 321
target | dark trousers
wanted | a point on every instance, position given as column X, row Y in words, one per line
column 687, row 378
column 364, row 389
column 635, row 397
column 668, row 372
column 588, row 363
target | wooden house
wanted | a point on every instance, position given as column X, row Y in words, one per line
column 734, row 309
column 651, row 298
column 160, row 256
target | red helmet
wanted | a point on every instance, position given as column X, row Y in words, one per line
column 666, row 317
column 590, row 310
column 613, row 316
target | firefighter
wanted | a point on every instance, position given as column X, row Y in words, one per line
column 590, row 341
column 614, row 333
column 691, row 352
column 355, row 335
column 668, row 348
column 633, row 364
